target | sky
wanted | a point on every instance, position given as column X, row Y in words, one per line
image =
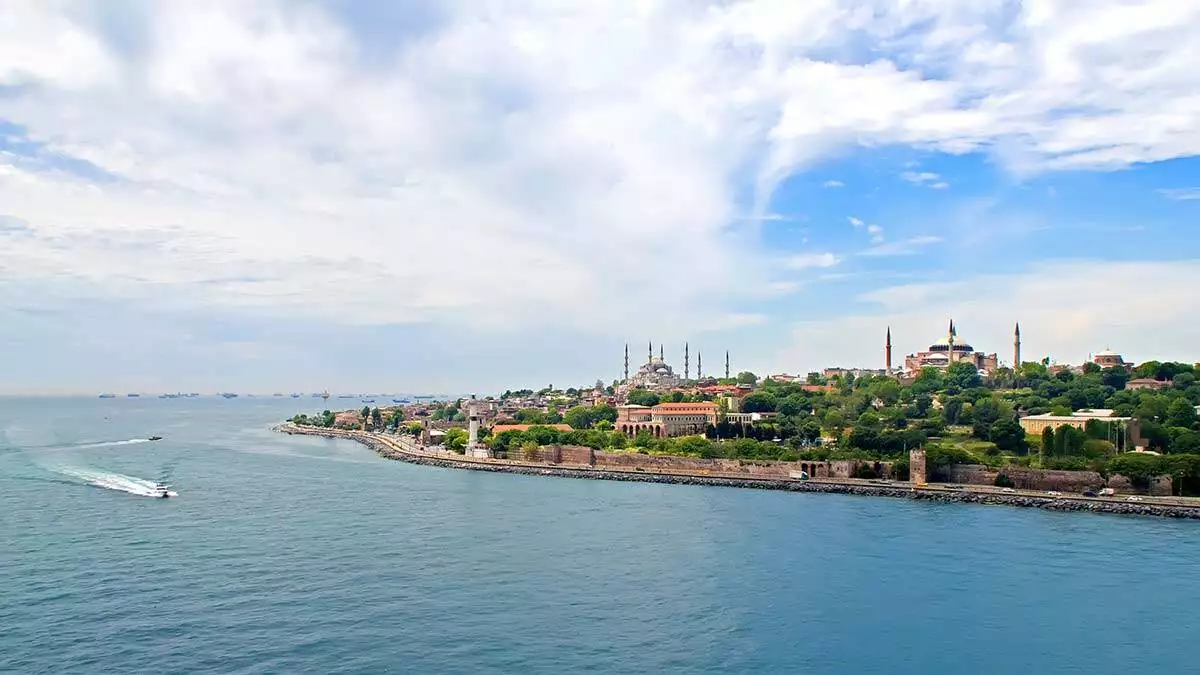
column 476, row 195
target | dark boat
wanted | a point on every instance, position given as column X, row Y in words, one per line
column 155, row 438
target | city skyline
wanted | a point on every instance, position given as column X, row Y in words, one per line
column 366, row 196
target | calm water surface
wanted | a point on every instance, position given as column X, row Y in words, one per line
column 311, row 555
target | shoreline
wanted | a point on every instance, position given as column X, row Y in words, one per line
column 394, row 448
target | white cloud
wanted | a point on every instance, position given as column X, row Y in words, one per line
column 855, row 221
column 926, row 178
column 1065, row 309
column 536, row 164
column 1181, row 194
column 876, row 233
column 903, row 247
column 811, row 260
column 833, row 184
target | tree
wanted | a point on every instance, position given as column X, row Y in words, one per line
column 1047, row 441
column 747, row 377
column 963, row 375
column 1114, row 377
column 1008, row 435
column 377, row 418
column 928, row 381
column 759, row 402
column 815, row 378
column 643, row 397
column 1181, row 413
column 456, row 440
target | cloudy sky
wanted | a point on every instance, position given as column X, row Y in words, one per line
column 472, row 195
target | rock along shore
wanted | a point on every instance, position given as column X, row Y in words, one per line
column 391, row 449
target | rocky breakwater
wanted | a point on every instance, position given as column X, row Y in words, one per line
column 392, row 449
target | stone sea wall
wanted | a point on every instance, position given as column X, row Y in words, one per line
column 393, row 450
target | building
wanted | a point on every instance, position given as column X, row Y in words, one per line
column 948, row 350
column 653, row 374
column 1111, row 359
column 1146, row 383
column 1036, row 424
column 666, row 420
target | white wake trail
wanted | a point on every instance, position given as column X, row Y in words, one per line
column 115, row 481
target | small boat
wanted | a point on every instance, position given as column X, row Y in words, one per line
column 229, row 395
column 401, row 400
column 154, row 438
column 367, row 400
column 108, row 395
column 161, row 491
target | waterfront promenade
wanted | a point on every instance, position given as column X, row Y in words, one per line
column 406, row 449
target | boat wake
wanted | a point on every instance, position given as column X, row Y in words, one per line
column 105, row 444
column 116, row 481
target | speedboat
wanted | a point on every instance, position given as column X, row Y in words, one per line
column 154, row 438
column 161, row 490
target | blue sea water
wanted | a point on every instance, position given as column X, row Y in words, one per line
column 285, row 555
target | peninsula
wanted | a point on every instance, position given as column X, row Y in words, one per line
column 954, row 424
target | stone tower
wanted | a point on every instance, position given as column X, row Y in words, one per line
column 1017, row 347
column 626, row 362
column 727, row 364
column 699, row 367
column 687, row 373
column 887, row 351
column 474, row 415
column 916, row 467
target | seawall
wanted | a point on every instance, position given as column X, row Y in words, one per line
column 392, row 448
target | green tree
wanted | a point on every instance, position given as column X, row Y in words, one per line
column 643, row 397
column 1008, row 435
column 377, row 418
column 1047, row 441
column 759, row 402
column 1114, row 377
column 365, row 413
column 747, row 377
column 1181, row 413
column 963, row 375
column 456, row 440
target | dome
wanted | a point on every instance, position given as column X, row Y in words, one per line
column 943, row 345
column 1108, row 353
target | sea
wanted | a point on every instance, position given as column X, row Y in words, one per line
column 306, row 555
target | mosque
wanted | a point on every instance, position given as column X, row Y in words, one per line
column 950, row 349
column 657, row 374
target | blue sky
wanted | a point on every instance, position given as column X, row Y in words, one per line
column 456, row 197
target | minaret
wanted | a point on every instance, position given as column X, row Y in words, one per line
column 950, row 341
column 887, row 351
column 699, row 367
column 649, row 352
column 626, row 362
column 1017, row 346
column 727, row 364
column 662, row 356
column 687, row 373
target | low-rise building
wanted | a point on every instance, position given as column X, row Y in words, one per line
column 666, row 420
column 1146, row 383
column 1036, row 424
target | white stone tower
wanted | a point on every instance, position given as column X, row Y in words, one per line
column 474, row 449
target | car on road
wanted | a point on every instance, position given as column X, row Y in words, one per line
column 1133, row 498
column 1008, row 490
column 1054, row 493
column 1089, row 493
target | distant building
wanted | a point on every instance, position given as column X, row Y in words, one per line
column 653, row 374
column 666, row 420
column 950, row 349
column 1111, row 359
column 1036, row 424
column 1146, row 383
